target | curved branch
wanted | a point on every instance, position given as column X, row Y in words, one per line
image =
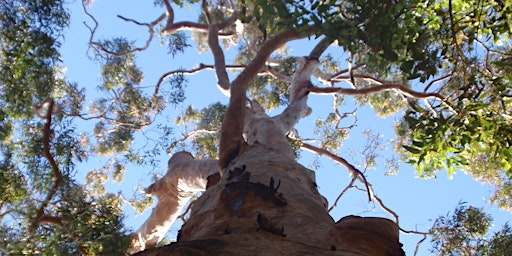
column 350, row 185
column 406, row 92
column 138, row 49
column 320, row 48
column 329, row 77
column 188, row 136
column 219, row 59
column 341, row 72
column 185, row 176
column 356, row 173
column 190, row 72
column 57, row 175
column 258, row 62
column 194, row 26
column 231, row 138
column 218, row 53
column 424, row 234
column 170, row 12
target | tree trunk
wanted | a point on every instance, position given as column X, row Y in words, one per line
column 268, row 204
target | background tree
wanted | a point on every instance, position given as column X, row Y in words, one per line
column 442, row 66
column 465, row 232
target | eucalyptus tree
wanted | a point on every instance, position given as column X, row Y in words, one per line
column 444, row 66
column 42, row 208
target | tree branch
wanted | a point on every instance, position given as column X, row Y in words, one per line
column 170, row 12
column 218, row 53
column 231, row 138
column 137, row 49
column 356, row 173
column 404, row 91
column 219, row 60
column 185, row 177
column 191, row 72
column 57, row 175
column 119, row 54
column 437, row 80
column 320, row 48
column 188, row 136
column 50, row 220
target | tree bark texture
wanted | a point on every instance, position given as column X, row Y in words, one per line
column 268, row 204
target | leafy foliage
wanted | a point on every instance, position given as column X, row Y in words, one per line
column 207, row 123
column 465, row 232
column 460, row 48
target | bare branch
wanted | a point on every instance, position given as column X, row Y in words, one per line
column 189, row 136
column 438, row 80
column 424, row 234
column 138, row 49
column 170, row 12
column 191, row 72
column 218, row 57
column 404, row 91
column 344, row 71
column 218, row 53
column 194, row 26
column 329, row 78
column 356, row 173
column 93, row 29
column 350, row 185
column 320, row 48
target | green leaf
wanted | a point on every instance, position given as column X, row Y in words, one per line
column 413, row 150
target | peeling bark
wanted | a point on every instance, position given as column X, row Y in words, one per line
column 268, row 204
column 263, row 202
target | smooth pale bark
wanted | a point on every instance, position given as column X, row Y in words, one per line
column 184, row 178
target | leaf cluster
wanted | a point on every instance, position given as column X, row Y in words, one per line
column 466, row 232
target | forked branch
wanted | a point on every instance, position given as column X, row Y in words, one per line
column 102, row 48
column 356, row 173
column 231, row 139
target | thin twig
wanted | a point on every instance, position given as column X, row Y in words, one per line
column 356, row 173
column 137, row 49
column 189, row 136
column 192, row 72
column 438, row 80
column 344, row 71
column 350, row 185
column 417, row 247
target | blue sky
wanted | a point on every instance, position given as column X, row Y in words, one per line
column 416, row 201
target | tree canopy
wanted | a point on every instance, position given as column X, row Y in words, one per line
column 442, row 68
